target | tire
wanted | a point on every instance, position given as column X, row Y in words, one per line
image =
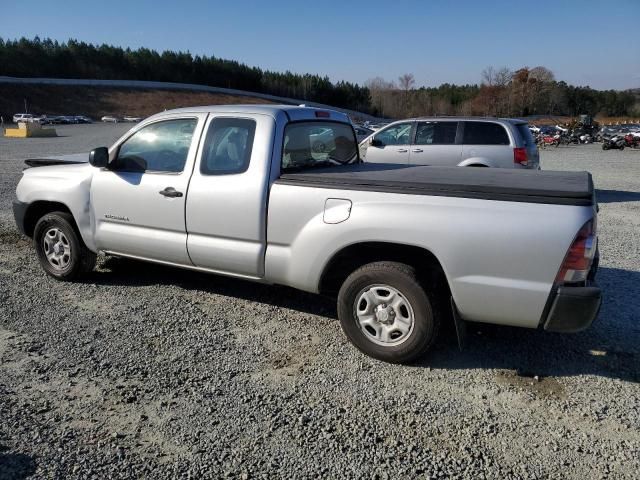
column 61, row 251
column 605, row 147
column 416, row 315
column 621, row 147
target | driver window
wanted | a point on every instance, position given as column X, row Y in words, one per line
column 159, row 147
column 398, row 134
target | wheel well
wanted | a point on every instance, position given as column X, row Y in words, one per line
column 354, row 256
column 37, row 210
column 477, row 165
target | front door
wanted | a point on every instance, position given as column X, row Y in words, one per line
column 435, row 144
column 139, row 200
column 390, row 145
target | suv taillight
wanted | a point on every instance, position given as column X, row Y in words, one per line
column 577, row 263
column 520, row 156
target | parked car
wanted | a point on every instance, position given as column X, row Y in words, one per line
column 454, row 141
column 403, row 248
column 25, row 118
column 82, row 119
column 129, row 118
column 362, row 132
column 109, row 118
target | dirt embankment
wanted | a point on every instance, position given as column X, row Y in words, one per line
column 98, row 101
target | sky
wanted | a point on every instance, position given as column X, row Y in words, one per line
column 583, row 42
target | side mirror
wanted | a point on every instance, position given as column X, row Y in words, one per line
column 376, row 143
column 99, row 157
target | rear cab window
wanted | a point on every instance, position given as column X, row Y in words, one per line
column 227, row 146
column 485, row 133
column 310, row 144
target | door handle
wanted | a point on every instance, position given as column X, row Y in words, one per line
column 170, row 192
column 402, row 150
column 417, row 150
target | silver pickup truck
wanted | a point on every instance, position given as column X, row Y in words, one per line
column 240, row 191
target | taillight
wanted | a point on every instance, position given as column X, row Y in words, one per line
column 520, row 156
column 322, row 114
column 577, row 262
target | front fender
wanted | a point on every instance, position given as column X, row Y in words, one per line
column 69, row 185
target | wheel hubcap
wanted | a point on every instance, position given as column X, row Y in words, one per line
column 384, row 315
column 57, row 248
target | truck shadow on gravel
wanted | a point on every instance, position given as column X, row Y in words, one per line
column 124, row 272
column 16, row 466
column 609, row 348
column 617, row 196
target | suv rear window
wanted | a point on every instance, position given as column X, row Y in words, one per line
column 318, row 144
column 525, row 134
column 484, row 133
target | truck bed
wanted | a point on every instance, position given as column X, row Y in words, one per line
column 512, row 185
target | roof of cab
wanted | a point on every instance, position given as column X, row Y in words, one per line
column 291, row 112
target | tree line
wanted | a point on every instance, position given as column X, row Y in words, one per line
column 501, row 92
column 76, row 59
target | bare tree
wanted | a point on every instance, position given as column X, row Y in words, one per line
column 488, row 76
column 406, row 81
column 380, row 91
column 496, row 78
column 502, row 77
column 541, row 74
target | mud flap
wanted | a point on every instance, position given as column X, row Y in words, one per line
column 461, row 326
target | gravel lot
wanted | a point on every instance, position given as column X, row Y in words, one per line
column 149, row 372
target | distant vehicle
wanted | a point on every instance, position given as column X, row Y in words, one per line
column 110, row 119
column 129, row 118
column 82, row 119
column 322, row 139
column 362, row 132
column 616, row 142
column 25, row 118
column 454, row 141
column 45, row 119
column 534, row 129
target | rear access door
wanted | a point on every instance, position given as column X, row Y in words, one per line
column 227, row 201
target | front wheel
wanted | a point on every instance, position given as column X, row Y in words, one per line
column 60, row 249
column 386, row 313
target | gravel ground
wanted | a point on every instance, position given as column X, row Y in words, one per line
column 143, row 371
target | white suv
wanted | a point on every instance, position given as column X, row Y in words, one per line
column 24, row 117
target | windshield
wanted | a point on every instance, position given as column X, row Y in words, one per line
column 318, row 144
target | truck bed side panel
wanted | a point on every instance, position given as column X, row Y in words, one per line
column 500, row 258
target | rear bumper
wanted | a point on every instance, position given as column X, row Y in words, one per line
column 573, row 309
column 19, row 212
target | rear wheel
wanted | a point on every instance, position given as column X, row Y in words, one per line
column 60, row 249
column 386, row 313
